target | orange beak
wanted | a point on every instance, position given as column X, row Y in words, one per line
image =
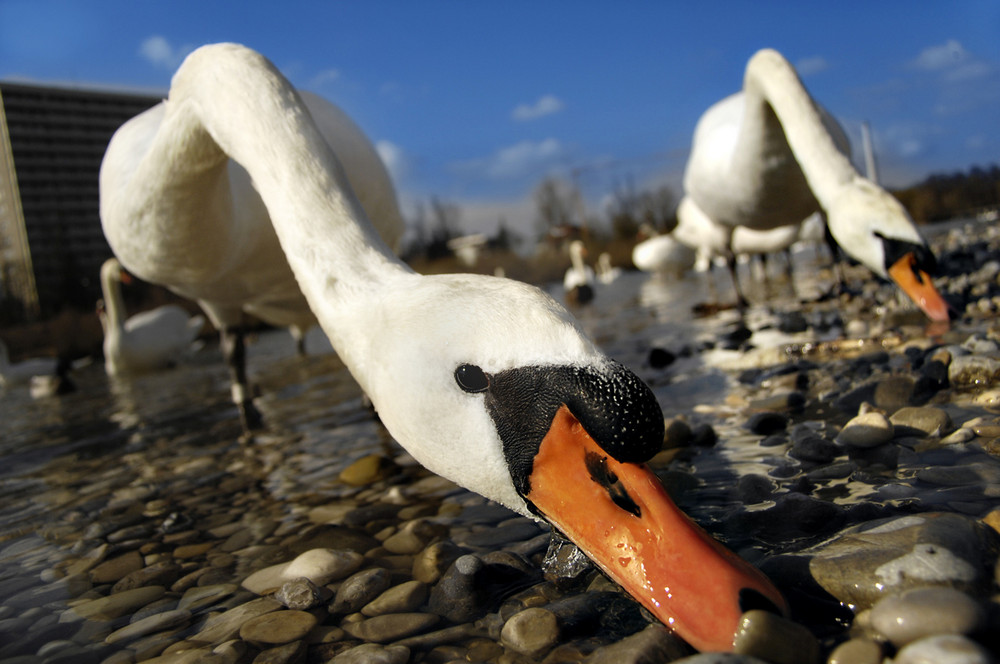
column 622, row 518
column 918, row 286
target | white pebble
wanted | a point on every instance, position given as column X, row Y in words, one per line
column 943, row 649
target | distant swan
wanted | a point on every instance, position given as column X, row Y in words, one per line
column 606, row 272
column 201, row 229
column 770, row 156
column 486, row 381
column 578, row 282
column 147, row 341
column 13, row 374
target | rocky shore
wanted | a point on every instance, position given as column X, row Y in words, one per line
column 855, row 461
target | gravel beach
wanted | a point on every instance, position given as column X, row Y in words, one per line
column 838, row 443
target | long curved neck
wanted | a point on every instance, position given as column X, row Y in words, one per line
column 778, row 103
column 114, row 303
column 229, row 102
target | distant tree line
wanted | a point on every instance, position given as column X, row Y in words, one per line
column 946, row 196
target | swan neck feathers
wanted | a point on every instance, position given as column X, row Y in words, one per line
column 779, row 108
column 240, row 103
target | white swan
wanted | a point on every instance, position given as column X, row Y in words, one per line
column 14, row 374
column 147, row 341
column 203, row 232
column 578, row 282
column 770, row 156
column 606, row 272
column 486, row 381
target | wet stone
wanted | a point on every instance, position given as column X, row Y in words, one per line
column 774, row 639
column 288, row 653
column 359, row 589
column 921, row 420
column 475, row 584
column 431, row 563
column 372, row 653
column 299, row 594
column 815, row 450
column 943, row 649
column 114, row 606
column 155, row 623
column 278, row 627
column 531, row 632
column 318, row 565
column 391, row 627
column 767, row 423
column 973, row 370
column 866, row 430
column 404, row 598
column 889, row 556
column 655, row 643
column 225, row 626
column 163, row 573
column 114, row 569
column 922, row 612
column 857, row 651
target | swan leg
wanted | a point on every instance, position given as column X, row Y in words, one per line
column 234, row 350
column 741, row 302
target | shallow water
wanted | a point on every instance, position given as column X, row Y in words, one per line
column 174, row 435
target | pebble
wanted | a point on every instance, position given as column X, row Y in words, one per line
column 404, row 598
column 857, row 651
column 114, row 606
column 531, row 632
column 921, row 612
column 154, row 623
column 371, row 653
column 318, row 565
column 889, row 556
column 391, row 627
column 867, row 430
column 774, row 639
column 278, row 627
column 943, row 649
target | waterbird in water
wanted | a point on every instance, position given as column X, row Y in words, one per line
column 179, row 212
column 486, row 381
column 149, row 340
column 770, row 156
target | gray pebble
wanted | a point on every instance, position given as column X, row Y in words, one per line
column 372, row 653
column 531, row 632
column 359, row 589
column 943, row 649
column 772, row 638
column 391, row 627
column 299, row 594
column 922, row 612
column 866, row 430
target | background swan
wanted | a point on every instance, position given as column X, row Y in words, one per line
column 147, row 341
column 13, row 374
column 486, row 381
column 578, row 282
column 663, row 254
column 201, row 229
column 770, row 156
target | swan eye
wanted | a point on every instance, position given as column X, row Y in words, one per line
column 471, row 378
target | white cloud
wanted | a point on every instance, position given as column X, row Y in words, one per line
column 161, row 53
column 811, row 65
column 323, row 77
column 546, row 105
column 523, row 157
column 942, row 56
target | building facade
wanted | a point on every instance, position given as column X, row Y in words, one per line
column 52, row 141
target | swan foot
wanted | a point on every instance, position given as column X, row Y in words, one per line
column 250, row 417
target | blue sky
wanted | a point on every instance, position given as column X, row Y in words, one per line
column 475, row 102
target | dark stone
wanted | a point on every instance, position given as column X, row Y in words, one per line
column 767, row 423
column 475, row 585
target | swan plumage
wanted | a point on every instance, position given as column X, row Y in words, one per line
column 216, row 243
column 663, row 254
column 486, row 381
column 770, row 156
column 606, row 272
column 147, row 341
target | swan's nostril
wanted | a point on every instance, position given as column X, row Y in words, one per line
column 751, row 599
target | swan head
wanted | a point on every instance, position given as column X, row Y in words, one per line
column 874, row 228
column 491, row 383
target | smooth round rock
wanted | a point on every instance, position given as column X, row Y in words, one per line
column 154, row 623
column 114, row 606
column 926, row 420
column 943, row 649
column 869, row 429
column 404, row 598
column 857, row 651
column 772, row 638
column 372, row 653
column 318, row 565
column 360, row 589
column 278, row 627
column 922, row 612
column 391, row 627
column 531, row 632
